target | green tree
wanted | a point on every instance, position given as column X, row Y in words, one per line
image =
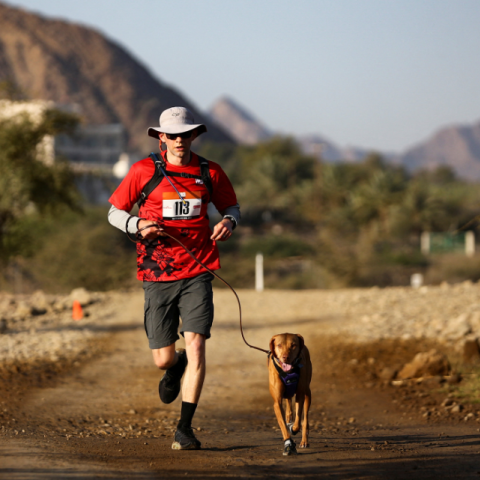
column 272, row 177
column 10, row 90
column 372, row 201
column 27, row 185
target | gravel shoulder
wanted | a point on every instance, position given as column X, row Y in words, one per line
column 86, row 406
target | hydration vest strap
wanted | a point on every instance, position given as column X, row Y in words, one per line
column 158, row 175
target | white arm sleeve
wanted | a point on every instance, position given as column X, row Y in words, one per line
column 118, row 218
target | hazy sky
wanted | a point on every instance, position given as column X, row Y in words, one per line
column 383, row 74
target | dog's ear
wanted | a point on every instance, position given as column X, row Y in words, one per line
column 272, row 346
column 301, row 341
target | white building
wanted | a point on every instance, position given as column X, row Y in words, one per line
column 95, row 152
column 90, row 147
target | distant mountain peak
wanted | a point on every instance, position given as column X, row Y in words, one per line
column 238, row 122
column 457, row 146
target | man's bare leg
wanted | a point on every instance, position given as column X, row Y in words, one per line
column 165, row 357
column 195, row 373
column 192, row 388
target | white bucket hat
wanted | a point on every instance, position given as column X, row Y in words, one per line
column 176, row 120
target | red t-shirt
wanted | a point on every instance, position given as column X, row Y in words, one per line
column 163, row 259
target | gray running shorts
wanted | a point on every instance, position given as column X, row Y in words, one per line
column 190, row 299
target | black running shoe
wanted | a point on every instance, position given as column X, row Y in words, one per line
column 169, row 386
column 185, row 440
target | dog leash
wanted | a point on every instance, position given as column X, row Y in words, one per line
column 208, row 270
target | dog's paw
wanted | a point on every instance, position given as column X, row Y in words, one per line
column 289, row 448
column 291, row 430
column 304, row 445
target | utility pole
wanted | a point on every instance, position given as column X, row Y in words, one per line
column 259, row 272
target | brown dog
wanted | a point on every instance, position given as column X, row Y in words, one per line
column 290, row 373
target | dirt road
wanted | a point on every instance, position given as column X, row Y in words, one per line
column 101, row 418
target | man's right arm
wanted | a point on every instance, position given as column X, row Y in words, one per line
column 123, row 220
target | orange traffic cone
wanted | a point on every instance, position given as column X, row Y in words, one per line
column 77, row 312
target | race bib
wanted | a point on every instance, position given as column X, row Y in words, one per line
column 176, row 209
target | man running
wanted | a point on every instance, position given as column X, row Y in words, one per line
column 174, row 284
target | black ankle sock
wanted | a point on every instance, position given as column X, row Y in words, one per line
column 186, row 415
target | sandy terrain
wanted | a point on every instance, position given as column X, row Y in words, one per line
column 93, row 411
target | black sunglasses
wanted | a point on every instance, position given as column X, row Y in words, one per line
column 173, row 136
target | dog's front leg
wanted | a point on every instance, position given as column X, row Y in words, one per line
column 299, row 401
column 288, row 411
column 280, row 414
column 302, row 402
column 306, row 426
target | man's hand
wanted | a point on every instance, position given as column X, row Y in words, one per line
column 222, row 231
column 149, row 233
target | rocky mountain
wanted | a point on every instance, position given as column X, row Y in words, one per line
column 454, row 146
column 248, row 130
column 239, row 123
column 71, row 64
column 327, row 150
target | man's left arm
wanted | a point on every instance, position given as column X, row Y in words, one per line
column 223, row 230
column 225, row 201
